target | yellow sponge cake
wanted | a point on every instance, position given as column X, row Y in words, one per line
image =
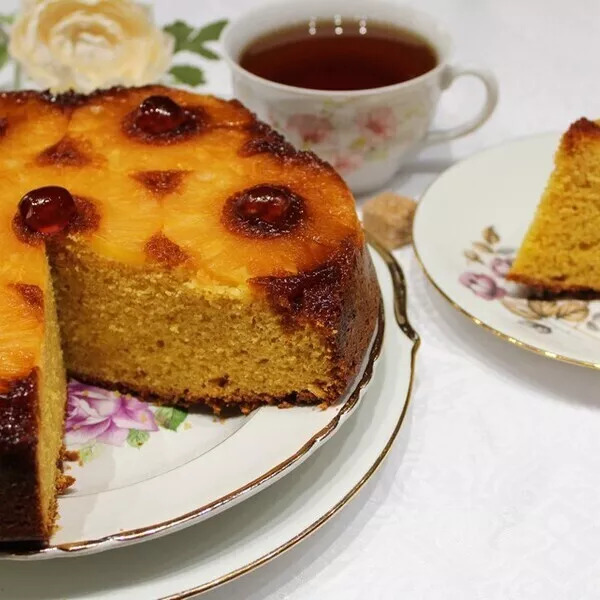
column 561, row 250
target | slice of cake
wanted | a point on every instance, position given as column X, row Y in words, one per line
column 32, row 388
column 196, row 258
column 561, row 250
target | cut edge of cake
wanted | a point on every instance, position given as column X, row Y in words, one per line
column 325, row 338
column 32, row 416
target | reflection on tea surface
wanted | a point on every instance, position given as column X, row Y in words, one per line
column 339, row 54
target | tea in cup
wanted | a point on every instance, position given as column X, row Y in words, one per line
column 356, row 82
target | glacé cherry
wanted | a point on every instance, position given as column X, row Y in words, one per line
column 158, row 115
column 47, row 210
column 265, row 210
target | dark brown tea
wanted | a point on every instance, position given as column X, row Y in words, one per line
column 339, row 55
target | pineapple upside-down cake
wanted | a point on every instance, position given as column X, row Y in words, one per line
column 176, row 248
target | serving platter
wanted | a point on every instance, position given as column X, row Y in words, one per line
column 490, row 199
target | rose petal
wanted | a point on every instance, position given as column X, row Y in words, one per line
column 91, row 44
column 140, row 418
column 467, row 278
column 81, row 434
column 107, row 406
column 115, row 436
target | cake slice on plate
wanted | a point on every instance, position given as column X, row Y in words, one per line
column 195, row 258
column 561, row 250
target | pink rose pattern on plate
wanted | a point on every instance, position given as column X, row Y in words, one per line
column 96, row 415
column 482, row 285
column 492, row 263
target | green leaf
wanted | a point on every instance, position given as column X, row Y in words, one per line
column 137, row 438
column 170, row 417
column 181, row 32
column 187, row 74
column 211, row 32
column 7, row 19
column 202, row 51
column 88, row 452
column 3, row 55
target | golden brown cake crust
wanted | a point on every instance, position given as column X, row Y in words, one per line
column 19, row 493
column 341, row 298
column 580, row 129
column 243, row 402
column 554, row 288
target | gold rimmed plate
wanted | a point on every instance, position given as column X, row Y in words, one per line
column 468, row 227
column 266, row 525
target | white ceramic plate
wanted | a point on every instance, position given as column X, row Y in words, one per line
column 467, row 228
column 245, row 537
column 146, row 471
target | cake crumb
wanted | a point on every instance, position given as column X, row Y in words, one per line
column 70, row 455
column 64, row 482
column 389, row 218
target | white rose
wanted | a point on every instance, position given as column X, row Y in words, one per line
column 89, row 44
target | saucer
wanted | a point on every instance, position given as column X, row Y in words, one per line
column 467, row 229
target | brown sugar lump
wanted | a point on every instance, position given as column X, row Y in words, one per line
column 388, row 217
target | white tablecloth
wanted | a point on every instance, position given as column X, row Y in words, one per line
column 493, row 490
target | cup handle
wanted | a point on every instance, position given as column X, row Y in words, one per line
column 491, row 89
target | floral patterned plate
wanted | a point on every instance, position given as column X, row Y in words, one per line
column 145, row 471
column 467, row 229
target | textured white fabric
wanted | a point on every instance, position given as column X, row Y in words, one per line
column 493, row 490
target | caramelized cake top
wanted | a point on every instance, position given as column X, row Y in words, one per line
column 163, row 179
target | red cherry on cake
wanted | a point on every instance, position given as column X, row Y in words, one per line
column 157, row 115
column 264, row 210
column 47, row 210
column 264, row 203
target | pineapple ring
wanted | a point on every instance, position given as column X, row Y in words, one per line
column 17, row 125
column 101, row 121
column 194, row 220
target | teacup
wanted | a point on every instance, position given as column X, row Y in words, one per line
column 365, row 134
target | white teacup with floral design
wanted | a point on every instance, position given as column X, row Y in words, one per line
column 365, row 134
